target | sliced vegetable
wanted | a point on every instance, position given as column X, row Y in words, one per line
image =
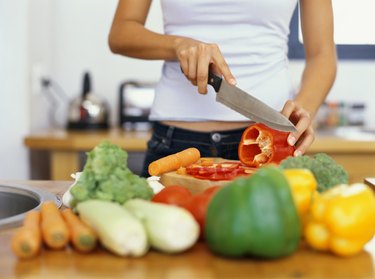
column 55, row 232
column 228, row 170
column 27, row 240
column 169, row 228
column 82, row 237
column 119, row 231
column 262, row 145
column 342, row 219
column 254, row 216
column 174, row 161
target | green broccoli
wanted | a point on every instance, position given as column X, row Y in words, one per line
column 106, row 176
column 326, row 170
column 105, row 158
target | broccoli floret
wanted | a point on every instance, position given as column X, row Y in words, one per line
column 326, row 170
column 84, row 186
column 106, row 176
column 105, row 158
column 123, row 185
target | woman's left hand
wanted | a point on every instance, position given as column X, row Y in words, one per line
column 301, row 118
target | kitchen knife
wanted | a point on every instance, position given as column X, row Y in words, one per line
column 247, row 105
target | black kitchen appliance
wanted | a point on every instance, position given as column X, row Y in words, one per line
column 135, row 101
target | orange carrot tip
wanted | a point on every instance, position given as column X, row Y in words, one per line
column 27, row 241
column 55, row 232
column 82, row 237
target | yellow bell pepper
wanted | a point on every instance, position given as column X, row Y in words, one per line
column 342, row 219
column 304, row 188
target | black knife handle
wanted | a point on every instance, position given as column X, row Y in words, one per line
column 214, row 81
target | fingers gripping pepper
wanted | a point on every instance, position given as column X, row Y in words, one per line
column 261, row 145
column 342, row 219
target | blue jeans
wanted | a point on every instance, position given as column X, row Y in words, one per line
column 166, row 140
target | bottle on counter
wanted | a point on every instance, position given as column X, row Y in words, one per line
column 343, row 114
column 332, row 116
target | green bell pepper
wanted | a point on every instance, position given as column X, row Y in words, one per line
column 254, row 216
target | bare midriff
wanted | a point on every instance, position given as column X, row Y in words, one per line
column 208, row 126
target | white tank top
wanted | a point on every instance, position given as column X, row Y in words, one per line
column 252, row 36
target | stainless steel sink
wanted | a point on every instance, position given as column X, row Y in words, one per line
column 15, row 201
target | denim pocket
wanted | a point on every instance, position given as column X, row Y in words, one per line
column 158, row 146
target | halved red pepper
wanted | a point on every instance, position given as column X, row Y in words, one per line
column 262, row 145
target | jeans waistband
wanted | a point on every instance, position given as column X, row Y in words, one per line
column 175, row 133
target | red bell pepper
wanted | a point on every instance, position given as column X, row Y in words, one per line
column 262, row 145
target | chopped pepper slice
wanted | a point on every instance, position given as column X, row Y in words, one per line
column 218, row 171
column 261, row 145
column 342, row 219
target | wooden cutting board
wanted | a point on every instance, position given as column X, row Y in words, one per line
column 371, row 182
column 193, row 184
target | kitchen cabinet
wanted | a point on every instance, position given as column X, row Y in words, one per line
column 198, row 262
column 356, row 156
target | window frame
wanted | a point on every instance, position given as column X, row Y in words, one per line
column 344, row 52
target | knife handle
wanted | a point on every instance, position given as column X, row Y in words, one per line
column 214, row 81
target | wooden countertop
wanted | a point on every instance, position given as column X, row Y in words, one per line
column 198, row 262
column 137, row 140
column 86, row 140
column 64, row 147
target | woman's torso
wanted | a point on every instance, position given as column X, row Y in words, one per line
column 252, row 36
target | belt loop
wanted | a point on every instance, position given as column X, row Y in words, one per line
column 169, row 135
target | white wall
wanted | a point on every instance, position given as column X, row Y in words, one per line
column 14, row 97
column 78, row 42
column 355, row 80
column 64, row 38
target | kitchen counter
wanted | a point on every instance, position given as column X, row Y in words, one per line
column 356, row 152
column 198, row 262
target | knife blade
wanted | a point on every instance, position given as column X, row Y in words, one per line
column 247, row 105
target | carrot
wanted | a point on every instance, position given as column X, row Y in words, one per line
column 55, row 232
column 27, row 240
column 174, row 161
column 82, row 237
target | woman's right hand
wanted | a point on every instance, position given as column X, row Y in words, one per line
column 197, row 58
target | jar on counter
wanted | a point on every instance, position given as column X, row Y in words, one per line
column 356, row 114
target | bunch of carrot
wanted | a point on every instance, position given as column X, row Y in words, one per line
column 53, row 228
